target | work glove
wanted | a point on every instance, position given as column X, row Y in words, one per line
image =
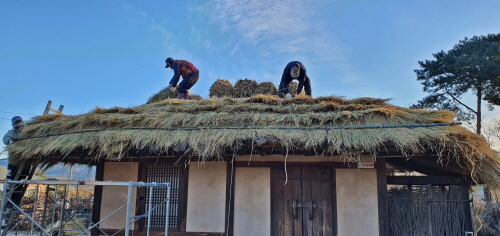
column 172, row 88
column 288, row 96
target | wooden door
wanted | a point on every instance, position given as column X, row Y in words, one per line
column 304, row 205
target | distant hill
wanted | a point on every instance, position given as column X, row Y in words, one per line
column 80, row 172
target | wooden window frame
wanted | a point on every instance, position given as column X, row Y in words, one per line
column 183, row 190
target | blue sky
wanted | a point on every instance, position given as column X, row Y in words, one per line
column 83, row 54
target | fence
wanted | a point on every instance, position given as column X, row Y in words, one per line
column 428, row 210
column 66, row 207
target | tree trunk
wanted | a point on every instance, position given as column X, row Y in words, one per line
column 478, row 113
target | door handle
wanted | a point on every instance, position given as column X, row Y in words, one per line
column 294, row 208
column 310, row 208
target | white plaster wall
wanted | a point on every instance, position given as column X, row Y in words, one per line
column 252, row 202
column 114, row 197
column 357, row 204
column 206, row 206
column 301, row 158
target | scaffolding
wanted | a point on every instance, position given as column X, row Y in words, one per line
column 54, row 209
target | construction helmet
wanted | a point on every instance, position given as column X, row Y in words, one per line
column 169, row 62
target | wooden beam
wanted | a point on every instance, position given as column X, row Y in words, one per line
column 96, row 207
column 383, row 199
column 464, row 192
column 230, row 178
column 423, row 180
column 429, row 166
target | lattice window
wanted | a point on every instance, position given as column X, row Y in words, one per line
column 164, row 173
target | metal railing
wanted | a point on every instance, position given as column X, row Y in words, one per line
column 58, row 206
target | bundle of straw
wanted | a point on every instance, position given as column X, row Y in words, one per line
column 168, row 93
column 292, row 88
column 194, row 96
column 267, row 88
column 163, row 94
column 245, row 88
column 222, row 88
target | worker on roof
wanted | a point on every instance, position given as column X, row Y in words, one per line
column 15, row 132
column 294, row 70
column 189, row 73
column 12, row 168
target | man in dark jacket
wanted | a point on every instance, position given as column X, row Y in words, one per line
column 294, row 70
column 12, row 168
column 189, row 73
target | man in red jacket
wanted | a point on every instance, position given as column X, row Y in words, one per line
column 189, row 73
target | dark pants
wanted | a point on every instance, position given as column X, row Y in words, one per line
column 188, row 82
column 12, row 171
column 283, row 88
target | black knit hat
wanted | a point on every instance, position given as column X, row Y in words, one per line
column 169, row 62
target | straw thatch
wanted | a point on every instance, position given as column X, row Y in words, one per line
column 117, row 132
column 266, row 88
column 245, row 88
column 167, row 93
column 222, row 88
column 194, row 96
column 292, row 88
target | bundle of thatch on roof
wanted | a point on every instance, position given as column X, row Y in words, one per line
column 213, row 127
column 292, row 88
column 267, row 88
column 222, row 88
column 245, row 88
column 194, row 96
column 167, row 93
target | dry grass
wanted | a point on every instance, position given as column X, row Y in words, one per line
column 222, row 88
column 167, row 93
column 245, row 88
column 292, row 88
column 468, row 149
column 267, row 88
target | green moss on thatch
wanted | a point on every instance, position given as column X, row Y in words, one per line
column 469, row 149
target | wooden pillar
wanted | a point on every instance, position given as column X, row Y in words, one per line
column 429, row 210
column 96, row 207
column 383, row 201
column 230, row 197
column 464, row 192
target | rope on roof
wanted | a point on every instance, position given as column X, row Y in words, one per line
column 410, row 126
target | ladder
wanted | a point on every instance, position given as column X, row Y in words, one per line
column 15, row 193
column 24, row 170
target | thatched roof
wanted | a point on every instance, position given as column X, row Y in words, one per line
column 208, row 129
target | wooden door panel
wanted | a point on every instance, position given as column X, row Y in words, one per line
column 307, row 185
column 317, row 221
column 295, row 186
column 277, row 197
column 326, row 203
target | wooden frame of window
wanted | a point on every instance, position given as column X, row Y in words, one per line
column 181, row 198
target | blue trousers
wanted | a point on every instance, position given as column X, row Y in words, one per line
column 188, row 82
